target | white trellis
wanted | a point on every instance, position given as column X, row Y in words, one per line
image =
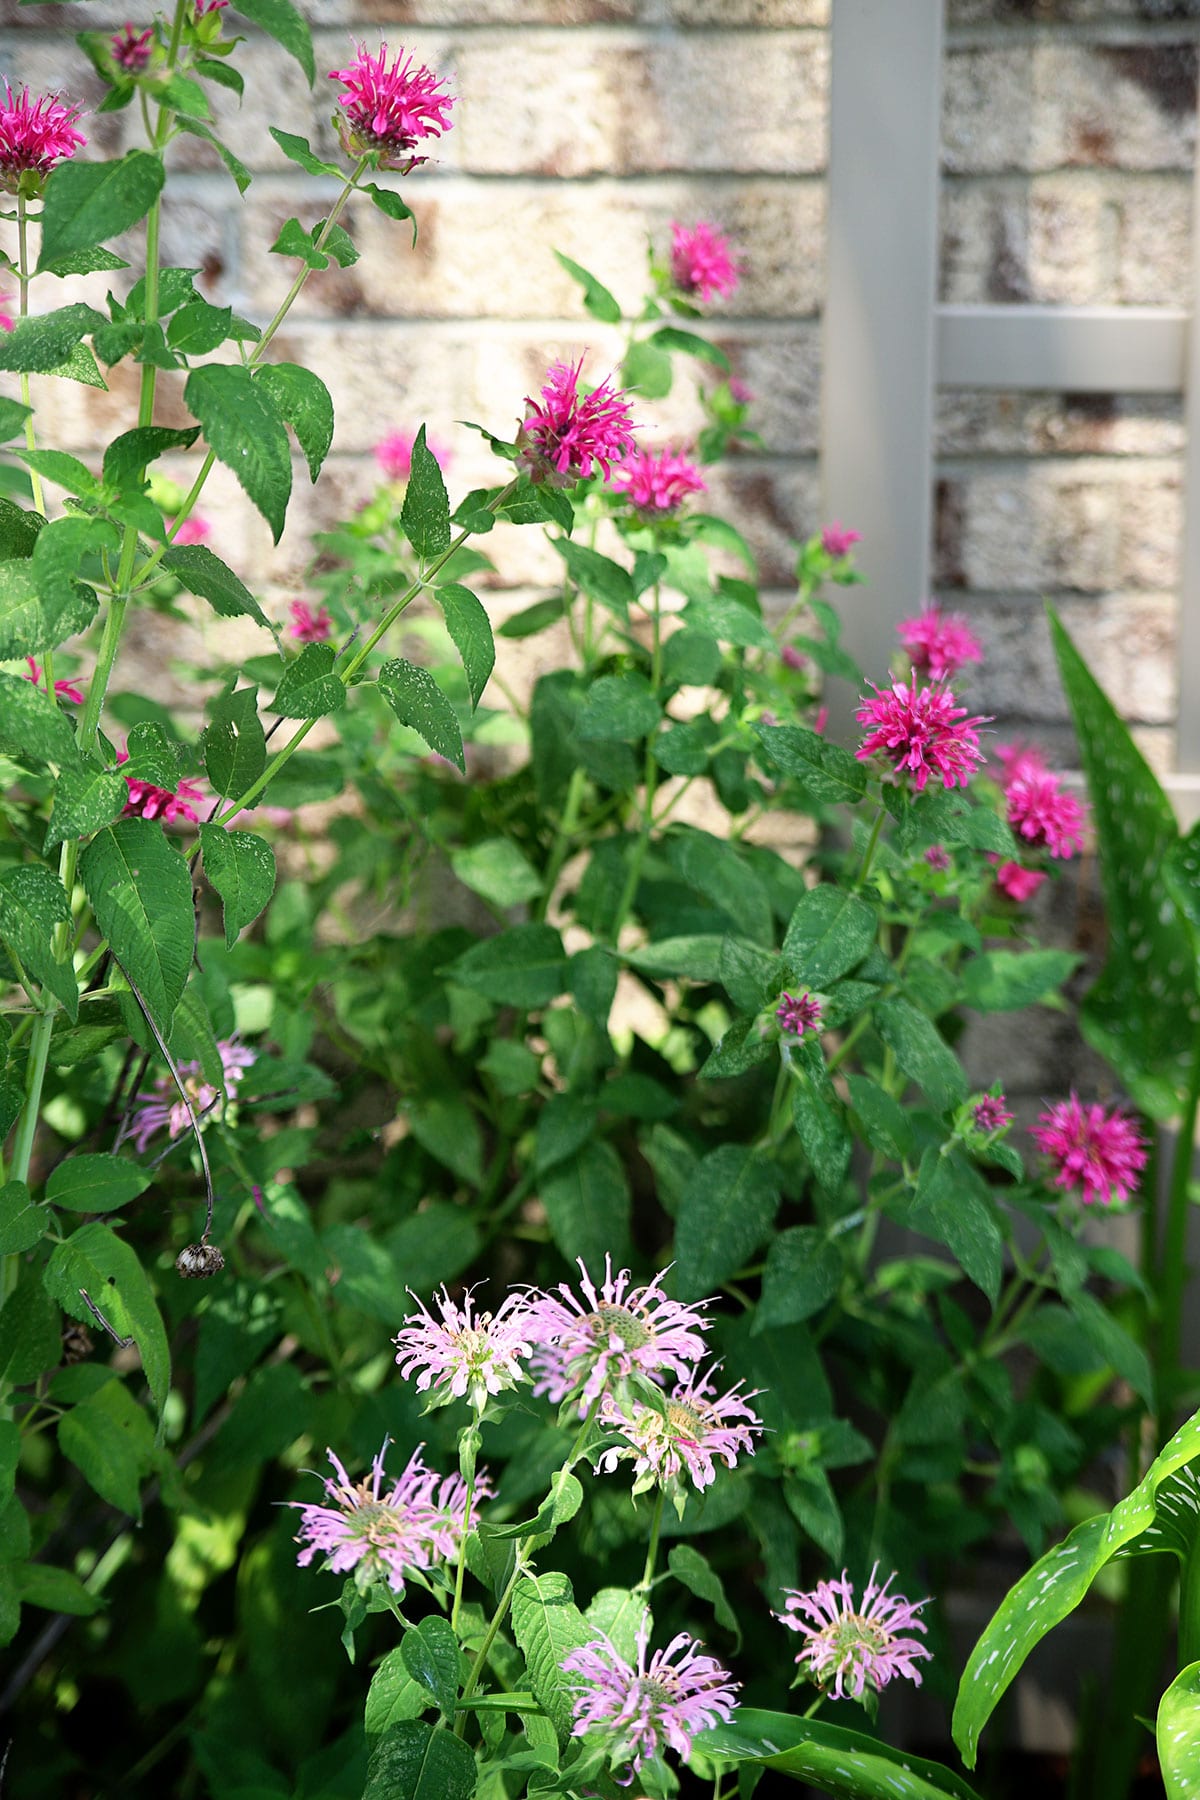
column 888, row 344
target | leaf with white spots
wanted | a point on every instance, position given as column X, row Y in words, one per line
column 835, row 1760
column 1059, row 1580
column 1178, row 1735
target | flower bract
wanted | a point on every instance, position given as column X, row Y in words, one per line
column 1096, row 1153
column 849, row 1649
column 678, row 1693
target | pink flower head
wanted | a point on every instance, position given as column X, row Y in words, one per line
column 203, row 7
column 1017, row 883
column 393, row 453
column 7, row 321
column 855, row 1650
column 679, row 1693
column 389, row 111
column 150, row 802
column 308, row 626
column 67, row 689
column 937, row 857
column 798, row 1013
column 821, row 720
column 35, row 134
column 702, row 264
column 162, row 1106
column 564, row 438
column 1100, row 1152
column 382, row 1537
column 1042, row 813
column 583, row 1346
column 837, row 541
column 462, row 1355
column 131, row 49
column 194, row 530
column 920, row 729
column 658, row 481
column 1020, row 762
column 697, row 1428
column 991, row 1114
column 791, row 658
column 939, row 644
column 740, row 391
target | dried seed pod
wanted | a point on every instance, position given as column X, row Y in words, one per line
column 198, row 1261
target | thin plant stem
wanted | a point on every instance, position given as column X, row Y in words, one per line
column 869, row 852
column 462, row 1543
column 645, row 1584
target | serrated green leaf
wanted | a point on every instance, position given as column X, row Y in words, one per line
column 96, row 1259
column 829, row 933
column 12, row 418
column 236, row 167
column 588, row 1204
column 525, row 966
column 58, row 1590
column 1005, row 980
column 726, row 1212
column 241, row 867
column 818, row 1118
column 415, row 1760
column 42, row 344
column 496, row 870
column 31, row 622
column 547, row 1625
column 127, row 457
column 952, row 1206
column 33, row 730
column 280, row 20
column 22, row 1224
column 294, row 240
column 622, row 708
column 198, row 328
column 19, row 528
column 430, row 1654
column 141, row 893
column 700, row 1578
column 196, row 568
column 471, row 632
column 392, row 1696
column 299, row 151
column 108, row 1438
column 921, row 1052
column 234, row 743
column 826, row 770
column 803, row 1272
column 33, row 903
column 87, row 202
column 308, row 688
column 886, row 1125
column 303, row 400
column 418, row 702
column 30, row 1338
column 95, row 1183
column 425, row 515
column 244, row 431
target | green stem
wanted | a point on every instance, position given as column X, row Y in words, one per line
column 23, row 279
column 462, row 1543
column 637, row 857
column 872, row 841
column 563, row 838
column 497, row 1619
column 647, row 1580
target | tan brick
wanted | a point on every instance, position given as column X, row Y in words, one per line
column 1154, row 242
column 985, row 109
column 1127, row 640
column 728, row 13
column 1050, row 239
column 978, row 424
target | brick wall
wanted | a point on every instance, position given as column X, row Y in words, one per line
column 586, row 126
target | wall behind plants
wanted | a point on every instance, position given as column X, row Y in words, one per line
column 1068, row 145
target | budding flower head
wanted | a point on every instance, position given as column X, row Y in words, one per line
column 850, row 1650
column 639, row 1708
column 308, row 626
column 939, row 644
column 566, row 437
column 131, row 49
column 798, row 1013
column 465, row 1354
column 837, row 540
column 35, row 135
column 702, row 264
column 657, row 482
column 386, row 112
column 991, row 1114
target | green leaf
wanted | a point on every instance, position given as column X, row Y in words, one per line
column 430, row 1654
column 40, row 345
column 234, row 743
column 826, row 770
column 1054, row 1587
column 425, row 515
column 234, row 164
column 33, row 729
column 415, row 1760
column 22, row 1224
column 87, row 202
column 63, row 469
column 700, row 1578
column 196, row 568
column 244, row 431
column 141, row 893
column 393, row 1695
column 587, row 1204
column 803, row 1272
column 1004, row 980
column 58, row 1590
column 280, row 20
column 96, row 1259
column 670, row 337
column 647, row 371
column 729, row 622
column 10, row 1450
column 241, row 867
column 294, row 240
column 619, row 707
column 594, row 982
column 600, row 303
column 471, row 632
column 952, row 1206
column 83, row 262
column 597, row 576
column 308, row 688
column 818, row 1118
column 299, row 151
column 418, row 702
column 303, row 400
column 532, row 619
column 886, row 1126
column 921, row 1052
column 108, row 1438
column 847, row 1765
column 1143, row 1013
column 30, row 1339
column 126, row 458
column 19, row 528
column 198, row 328
column 12, row 418
column 95, row 1184
column 33, row 902
column 496, row 870
column 728, row 1207
column 1177, row 1732
column 1114, row 1344
column 444, row 1125
column 525, row 966
column 548, row 1625
column 389, row 202
column 41, row 605
column 829, row 932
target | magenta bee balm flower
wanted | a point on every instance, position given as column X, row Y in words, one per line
column 308, row 626
column 1041, row 812
column 35, row 135
column 991, row 1114
column 922, row 732
column 851, row 1651
column 149, row 802
column 388, row 111
column 798, row 1013
column 679, row 1693
column 566, row 437
column 657, row 482
column 939, row 644
column 465, row 1356
column 1017, row 883
column 838, row 541
column 697, row 1429
column 582, row 1346
column 131, row 49
column 1100, row 1154
column 702, row 264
